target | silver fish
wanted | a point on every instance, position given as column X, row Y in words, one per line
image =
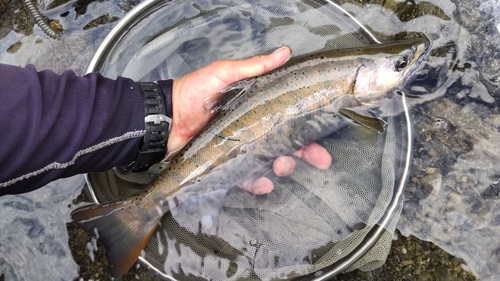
column 277, row 113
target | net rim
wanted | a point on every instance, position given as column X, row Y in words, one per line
column 149, row 7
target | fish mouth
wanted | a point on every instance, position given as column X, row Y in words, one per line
column 419, row 49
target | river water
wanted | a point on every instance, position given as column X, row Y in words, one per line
column 453, row 193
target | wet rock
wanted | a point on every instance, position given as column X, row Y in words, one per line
column 14, row 47
column 432, row 183
column 14, row 17
column 129, row 4
column 413, row 260
column 104, row 19
column 440, row 123
column 431, row 170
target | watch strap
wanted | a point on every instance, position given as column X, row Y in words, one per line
column 157, row 120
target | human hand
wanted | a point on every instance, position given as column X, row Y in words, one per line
column 191, row 91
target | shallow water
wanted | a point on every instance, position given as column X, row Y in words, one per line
column 75, row 49
column 33, row 235
column 33, row 231
column 453, row 194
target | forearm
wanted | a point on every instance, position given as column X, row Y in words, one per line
column 55, row 126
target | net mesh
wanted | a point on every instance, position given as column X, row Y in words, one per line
column 313, row 218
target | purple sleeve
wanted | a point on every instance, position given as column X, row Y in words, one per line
column 55, row 126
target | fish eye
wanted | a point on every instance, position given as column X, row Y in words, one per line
column 401, row 63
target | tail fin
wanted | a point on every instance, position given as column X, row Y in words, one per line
column 123, row 228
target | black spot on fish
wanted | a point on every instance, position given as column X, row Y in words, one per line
column 227, row 138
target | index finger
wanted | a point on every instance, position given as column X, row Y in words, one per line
column 236, row 70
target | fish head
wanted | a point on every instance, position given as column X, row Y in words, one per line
column 390, row 69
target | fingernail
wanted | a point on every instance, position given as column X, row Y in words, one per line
column 279, row 49
column 287, row 167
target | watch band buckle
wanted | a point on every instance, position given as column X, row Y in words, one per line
column 157, row 119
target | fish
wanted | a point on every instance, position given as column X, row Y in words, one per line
column 274, row 114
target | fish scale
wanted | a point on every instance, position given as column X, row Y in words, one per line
column 278, row 113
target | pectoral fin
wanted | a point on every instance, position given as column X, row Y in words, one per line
column 364, row 119
column 228, row 96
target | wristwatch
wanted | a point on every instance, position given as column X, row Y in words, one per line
column 158, row 120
